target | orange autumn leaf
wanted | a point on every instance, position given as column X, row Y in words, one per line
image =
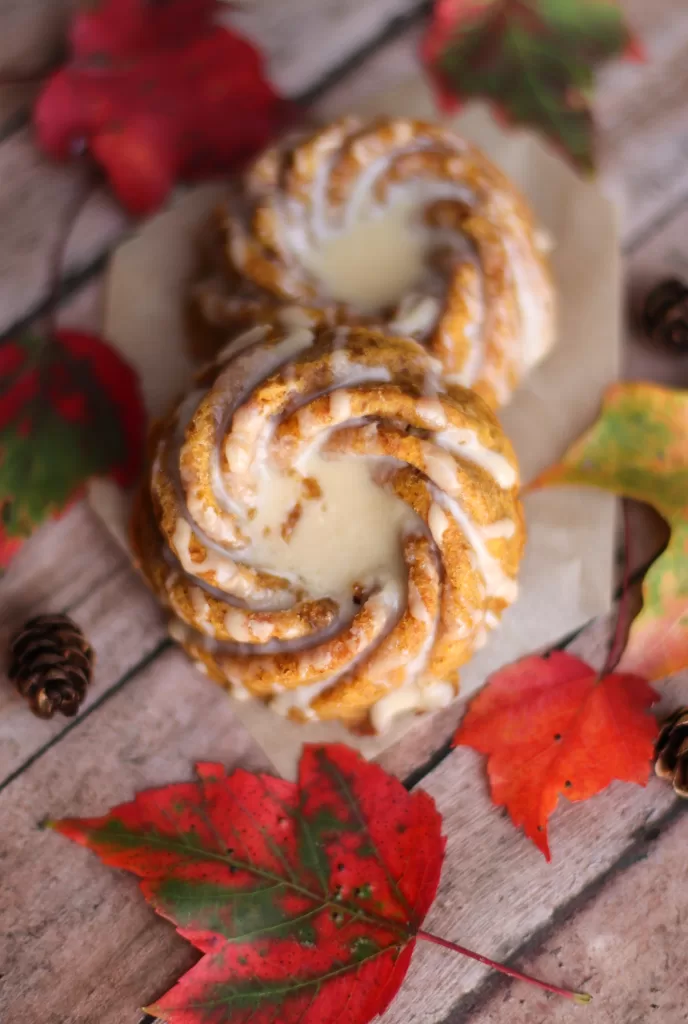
column 639, row 448
column 551, row 727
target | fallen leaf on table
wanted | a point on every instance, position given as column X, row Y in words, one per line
column 306, row 898
column 70, row 408
column 156, row 92
column 551, row 727
column 533, row 60
column 639, row 448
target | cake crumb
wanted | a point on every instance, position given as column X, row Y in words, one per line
column 290, row 522
column 311, row 488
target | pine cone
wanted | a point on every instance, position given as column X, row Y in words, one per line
column 671, row 751
column 665, row 315
column 51, row 665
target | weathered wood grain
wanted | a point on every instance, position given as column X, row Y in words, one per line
column 15, row 106
column 391, row 63
column 119, row 617
column 643, row 118
column 72, row 929
column 305, row 41
column 628, row 945
column 32, row 33
column 73, row 565
column 35, row 200
column 77, row 942
column 301, row 41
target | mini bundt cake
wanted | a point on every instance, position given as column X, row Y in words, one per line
column 333, row 526
column 397, row 223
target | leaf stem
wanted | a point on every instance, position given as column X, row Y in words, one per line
column 78, row 201
column 29, row 78
column 618, row 643
column 577, row 997
column 9, row 78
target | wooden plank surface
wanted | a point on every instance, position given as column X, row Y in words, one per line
column 88, row 922
column 628, row 944
column 77, row 943
column 305, row 41
column 301, row 40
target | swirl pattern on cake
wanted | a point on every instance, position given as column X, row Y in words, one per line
column 397, row 223
column 333, row 528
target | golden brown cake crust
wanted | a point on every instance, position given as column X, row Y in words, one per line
column 487, row 312
column 356, row 394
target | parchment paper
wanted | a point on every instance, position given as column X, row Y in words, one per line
column 566, row 578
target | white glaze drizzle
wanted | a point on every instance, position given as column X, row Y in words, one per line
column 464, row 442
column 431, row 410
column 497, row 583
column 246, row 449
column 310, row 227
column 412, row 696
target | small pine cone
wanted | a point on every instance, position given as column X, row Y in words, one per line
column 51, row 665
column 665, row 315
column 671, row 751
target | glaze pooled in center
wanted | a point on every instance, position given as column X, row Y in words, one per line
column 374, row 260
column 328, row 526
column 335, row 528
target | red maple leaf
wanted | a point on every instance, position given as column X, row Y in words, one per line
column 550, row 727
column 157, row 92
column 306, row 899
column 70, row 408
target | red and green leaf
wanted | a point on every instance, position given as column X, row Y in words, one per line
column 551, row 727
column 157, row 92
column 70, row 408
column 533, row 60
column 305, row 899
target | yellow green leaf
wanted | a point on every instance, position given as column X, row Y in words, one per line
column 638, row 448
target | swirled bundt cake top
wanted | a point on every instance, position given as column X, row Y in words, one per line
column 333, row 525
column 399, row 223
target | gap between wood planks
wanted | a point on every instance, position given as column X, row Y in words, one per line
column 639, row 239
column 637, row 850
column 431, row 762
column 637, row 847
column 394, row 29
column 410, row 780
column 74, row 281
column 128, row 676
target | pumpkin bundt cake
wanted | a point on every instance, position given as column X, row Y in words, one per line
column 396, row 223
column 333, row 525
